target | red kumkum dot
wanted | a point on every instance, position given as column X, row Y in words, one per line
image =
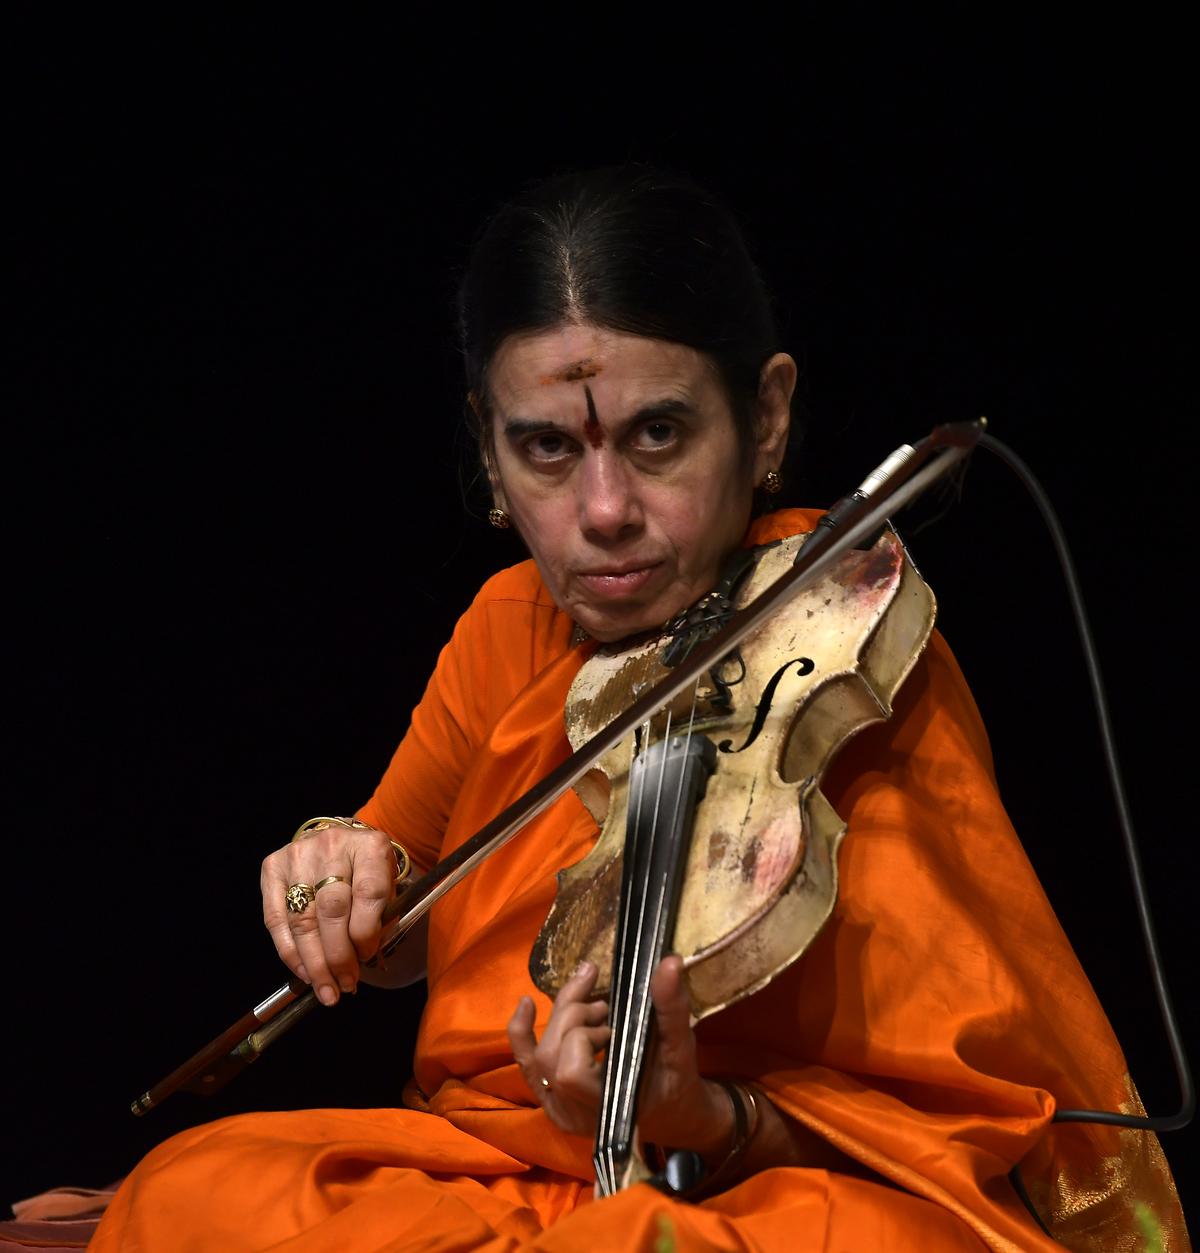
column 591, row 424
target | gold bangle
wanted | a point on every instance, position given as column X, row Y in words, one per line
column 403, row 861
column 313, row 825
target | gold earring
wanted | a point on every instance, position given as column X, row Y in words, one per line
column 771, row 483
column 499, row 519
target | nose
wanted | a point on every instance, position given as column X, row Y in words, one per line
column 610, row 504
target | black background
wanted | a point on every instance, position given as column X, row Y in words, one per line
column 235, row 531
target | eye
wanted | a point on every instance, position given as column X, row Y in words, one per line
column 547, row 446
column 655, row 435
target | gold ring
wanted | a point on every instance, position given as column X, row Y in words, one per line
column 330, row 878
column 403, row 861
column 299, row 897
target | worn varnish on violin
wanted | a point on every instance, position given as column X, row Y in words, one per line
column 757, row 873
column 761, row 871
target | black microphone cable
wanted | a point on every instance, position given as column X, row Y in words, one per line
column 1183, row 1116
column 1187, row 1108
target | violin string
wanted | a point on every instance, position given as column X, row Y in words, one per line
column 634, row 1014
column 659, row 905
column 619, row 1103
column 620, row 1094
column 608, row 1105
column 613, row 1095
column 645, row 1005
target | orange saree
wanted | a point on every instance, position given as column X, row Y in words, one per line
column 929, row 1033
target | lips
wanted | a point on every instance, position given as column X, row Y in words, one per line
column 618, row 583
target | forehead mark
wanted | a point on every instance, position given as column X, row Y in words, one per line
column 591, row 424
column 587, row 368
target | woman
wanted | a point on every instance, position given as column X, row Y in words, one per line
column 630, row 397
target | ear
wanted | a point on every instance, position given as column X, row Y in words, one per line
column 493, row 477
column 776, row 383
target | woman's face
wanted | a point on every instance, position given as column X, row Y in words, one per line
column 617, row 459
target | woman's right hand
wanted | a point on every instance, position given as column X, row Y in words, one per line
column 324, row 943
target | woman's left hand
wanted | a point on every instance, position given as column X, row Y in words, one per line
column 678, row 1107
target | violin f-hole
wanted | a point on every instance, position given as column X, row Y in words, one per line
column 763, row 708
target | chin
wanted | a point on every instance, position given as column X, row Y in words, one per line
column 613, row 625
column 608, row 632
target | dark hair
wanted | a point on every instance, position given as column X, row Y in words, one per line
column 627, row 248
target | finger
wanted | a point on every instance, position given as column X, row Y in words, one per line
column 320, row 940
column 672, row 1012
column 306, row 931
column 569, row 1016
column 578, row 1073
column 520, row 1035
column 373, row 880
column 274, row 885
column 579, row 986
column 332, row 908
column 576, row 991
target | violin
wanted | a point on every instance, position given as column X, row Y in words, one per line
column 805, row 840
column 715, row 837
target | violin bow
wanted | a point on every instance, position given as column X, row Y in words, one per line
column 898, row 481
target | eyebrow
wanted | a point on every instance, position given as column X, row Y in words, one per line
column 515, row 428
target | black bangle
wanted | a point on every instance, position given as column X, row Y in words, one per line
column 746, row 1118
column 680, row 1173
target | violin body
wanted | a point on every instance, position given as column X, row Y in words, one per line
column 761, row 868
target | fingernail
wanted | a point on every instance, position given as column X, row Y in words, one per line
column 327, row 995
column 584, row 968
column 347, row 985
